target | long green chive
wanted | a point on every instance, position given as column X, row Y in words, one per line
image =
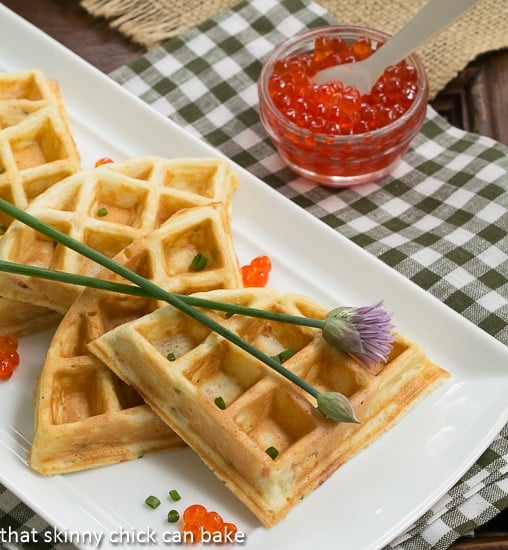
column 199, row 262
column 173, row 516
column 152, row 502
column 272, row 452
column 175, row 495
column 132, row 290
column 160, row 294
column 220, row 403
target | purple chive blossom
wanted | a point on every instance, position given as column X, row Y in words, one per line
column 364, row 332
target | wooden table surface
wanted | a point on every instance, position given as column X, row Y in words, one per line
column 476, row 100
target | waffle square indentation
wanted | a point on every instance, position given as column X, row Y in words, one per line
column 181, row 249
column 36, row 183
column 76, row 396
column 276, row 419
column 178, row 335
column 119, row 203
column 190, row 179
column 329, row 370
column 170, row 203
column 19, row 87
column 42, row 146
column 228, row 373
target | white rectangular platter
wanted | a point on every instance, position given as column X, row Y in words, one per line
column 367, row 502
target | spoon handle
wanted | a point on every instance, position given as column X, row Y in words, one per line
column 432, row 18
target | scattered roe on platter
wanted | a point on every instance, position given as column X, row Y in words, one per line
column 256, row 273
column 333, row 108
column 103, row 160
column 9, row 357
column 207, row 526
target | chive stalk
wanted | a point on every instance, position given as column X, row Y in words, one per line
column 342, row 412
column 132, row 290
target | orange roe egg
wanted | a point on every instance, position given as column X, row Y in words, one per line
column 103, row 160
column 9, row 357
column 199, row 524
column 256, row 273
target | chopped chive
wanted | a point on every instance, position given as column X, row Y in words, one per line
column 284, row 355
column 220, row 403
column 272, row 452
column 174, row 494
column 171, row 356
column 2, row 169
column 152, row 501
column 173, row 516
column 102, row 212
column 199, row 262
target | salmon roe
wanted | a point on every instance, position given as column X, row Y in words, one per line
column 256, row 273
column 9, row 357
column 331, row 133
column 333, row 108
column 102, row 161
column 200, row 524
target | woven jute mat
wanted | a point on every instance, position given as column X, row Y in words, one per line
column 483, row 28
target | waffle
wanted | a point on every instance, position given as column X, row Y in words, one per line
column 84, row 415
column 18, row 318
column 106, row 208
column 37, row 150
column 262, row 409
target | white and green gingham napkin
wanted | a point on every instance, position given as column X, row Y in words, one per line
column 441, row 219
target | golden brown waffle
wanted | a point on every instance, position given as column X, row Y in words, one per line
column 106, row 208
column 262, row 409
column 37, row 150
column 84, row 415
column 18, row 318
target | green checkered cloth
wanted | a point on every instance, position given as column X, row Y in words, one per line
column 441, row 219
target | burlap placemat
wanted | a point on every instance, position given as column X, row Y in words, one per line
column 482, row 29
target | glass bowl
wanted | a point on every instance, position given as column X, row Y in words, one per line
column 343, row 156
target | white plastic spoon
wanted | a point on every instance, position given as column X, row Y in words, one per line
column 432, row 18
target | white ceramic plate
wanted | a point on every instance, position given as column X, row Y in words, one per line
column 365, row 503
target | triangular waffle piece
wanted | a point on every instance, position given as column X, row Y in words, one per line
column 262, row 409
column 84, row 415
column 106, row 208
column 37, row 150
